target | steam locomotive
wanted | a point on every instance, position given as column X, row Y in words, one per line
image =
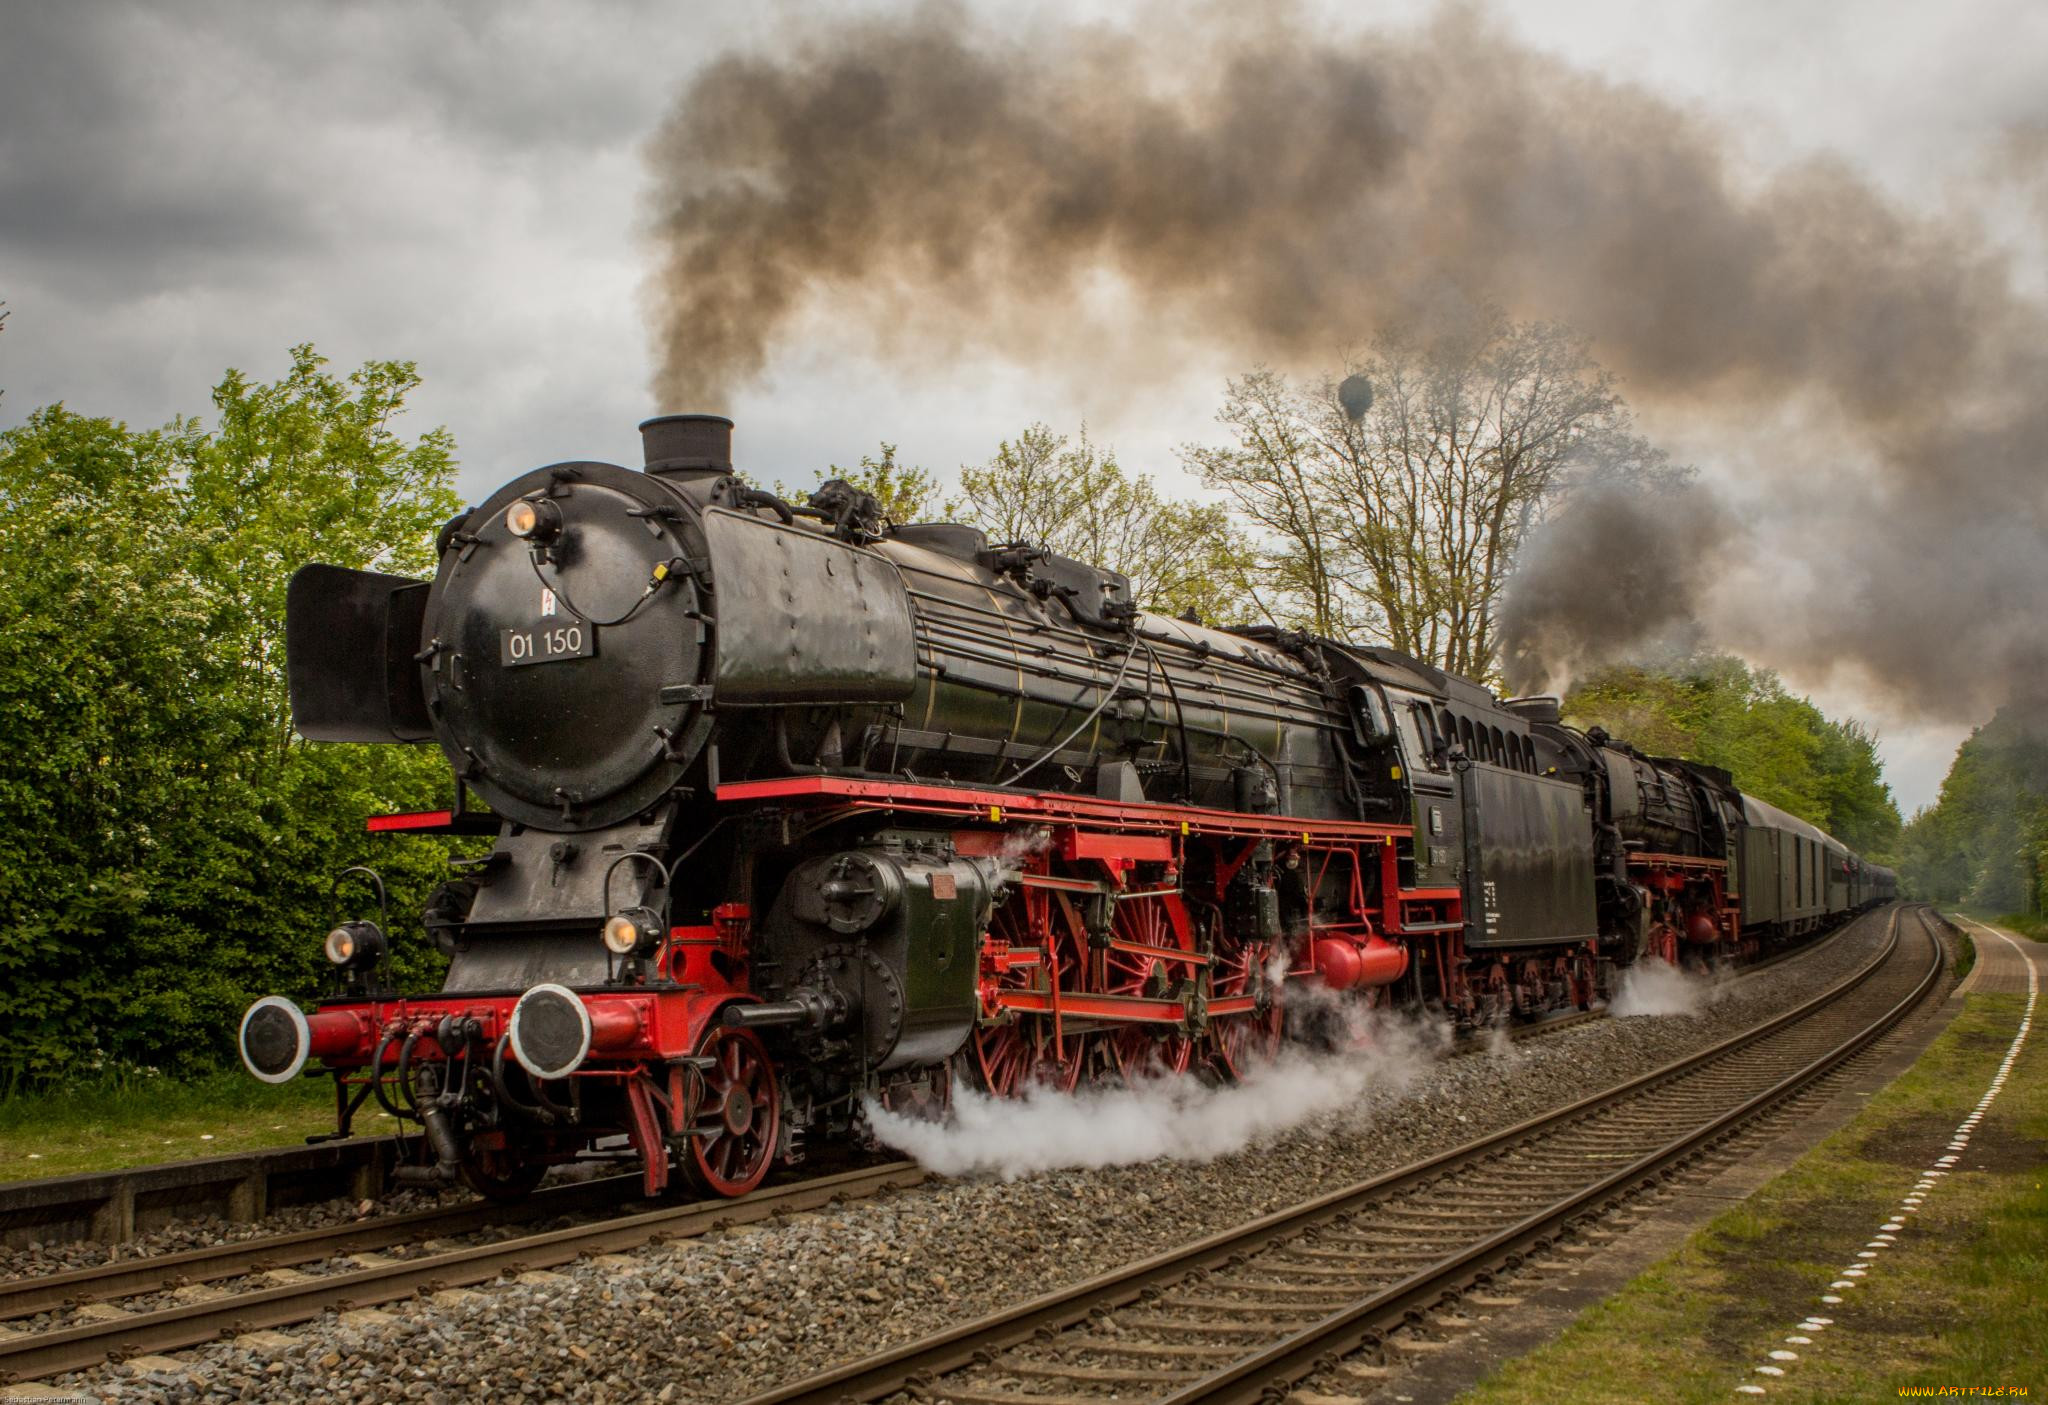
column 795, row 808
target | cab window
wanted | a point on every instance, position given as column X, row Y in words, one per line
column 1418, row 737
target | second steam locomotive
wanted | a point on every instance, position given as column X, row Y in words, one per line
column 795, row 809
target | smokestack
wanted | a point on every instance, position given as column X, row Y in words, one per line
column 687, row 446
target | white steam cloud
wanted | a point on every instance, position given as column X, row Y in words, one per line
column 1169, row 1118
column 1651, row 987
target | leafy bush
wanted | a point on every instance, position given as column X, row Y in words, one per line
column 166, row 842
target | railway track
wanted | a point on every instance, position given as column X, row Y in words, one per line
column 193, row 1296
column 23, row 1298
column 607, row 1195
column 1243, row 1315
column 1476, row 1041
column 286, row 1297
column 99, row 1283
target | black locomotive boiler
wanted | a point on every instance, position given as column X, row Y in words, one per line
column 794, row 807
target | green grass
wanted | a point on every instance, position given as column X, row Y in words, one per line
column 1966, row 951
column 2027, row 924
column 1959, row 1302
column 2020, row 923
column 138, row 1121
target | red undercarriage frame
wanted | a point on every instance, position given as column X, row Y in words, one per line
column 1104, row 959
column 1108, row 959
column 636, row 1040
column 1690, row 908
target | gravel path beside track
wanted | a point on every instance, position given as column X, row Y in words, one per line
column 723, row 1316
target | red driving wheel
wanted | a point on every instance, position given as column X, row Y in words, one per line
column 1244, row 1041
column 739, row 1116
column 1017, row 1053
column 1139, row 1049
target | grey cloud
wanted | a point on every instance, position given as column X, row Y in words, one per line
column 1281, row 190
column 189, row 186
column 101, row 177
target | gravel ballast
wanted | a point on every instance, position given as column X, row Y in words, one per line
column 717, row 1318
column 205, row 1231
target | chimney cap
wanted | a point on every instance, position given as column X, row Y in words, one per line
column 680, row 443
column 684, row 418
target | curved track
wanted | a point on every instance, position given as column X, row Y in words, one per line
column 1239, row 1316
column 604, row 1196
column 281, row 1279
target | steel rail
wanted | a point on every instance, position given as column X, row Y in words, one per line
column 1473, row 1041
column 1253, row 1378
column 23, row 1297
column 918, row 1364
column 165, row 1329
column 169, row 1329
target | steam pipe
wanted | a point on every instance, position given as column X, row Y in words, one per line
column 404, row 1075
column 818, row 1009
column 377, row 1072
column 761, row 497
column 535, row 1112
column 441, row 1136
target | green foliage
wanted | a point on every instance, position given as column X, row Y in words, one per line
column 1073, row 497
column 907, row 493
column 1959, row 1301
column 1985, row 840
column 2030, row 925
column 1779, row 748
column 166, row 843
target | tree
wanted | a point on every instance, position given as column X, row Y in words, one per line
column 310, row 468
column 907, row 493
column 1402, row 525
column 1072, row 497
column 1075, row 499
column 167, row 847
column 110, row 691
column 1985, row 840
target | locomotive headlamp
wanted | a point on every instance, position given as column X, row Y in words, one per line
column 634, row 930
column 355, row 944
column 533, row 519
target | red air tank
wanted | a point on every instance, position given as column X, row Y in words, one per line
column 1349, row 963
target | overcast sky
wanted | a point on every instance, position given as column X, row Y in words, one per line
column 188, row 187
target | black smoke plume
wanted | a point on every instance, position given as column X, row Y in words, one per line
column 1271, row 188
column 1653, row 553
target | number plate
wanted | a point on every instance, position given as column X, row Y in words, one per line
column 547, row 643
